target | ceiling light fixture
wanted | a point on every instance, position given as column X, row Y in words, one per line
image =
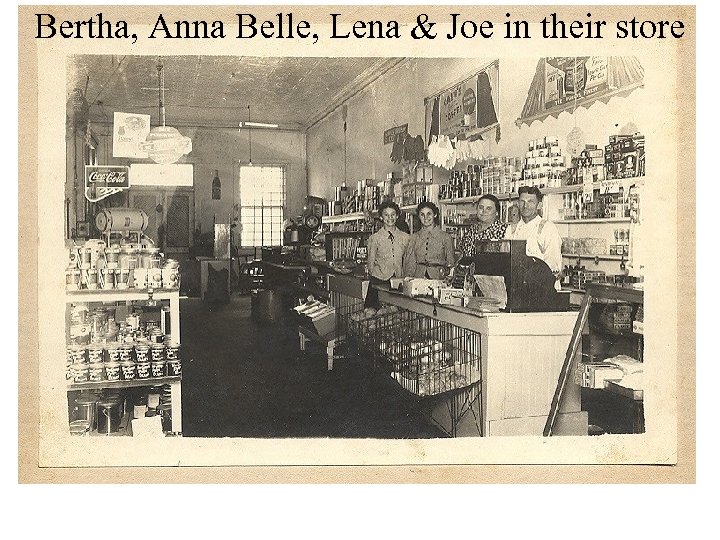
column 165, row 144
column 258, row 124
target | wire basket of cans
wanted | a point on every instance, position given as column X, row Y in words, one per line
column 366, row 327
column 429, row 357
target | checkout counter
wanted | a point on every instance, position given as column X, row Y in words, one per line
column 521, row 358
column 522, row 349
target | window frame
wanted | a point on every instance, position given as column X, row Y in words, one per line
column 262, row 207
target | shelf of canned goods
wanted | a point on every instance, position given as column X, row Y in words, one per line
column 476, row 374
column 109, row 358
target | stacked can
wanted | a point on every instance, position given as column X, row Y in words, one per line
column 158, row 359
column 142, row 353
column 172, row 354
column 76, row 354
column 96, row 369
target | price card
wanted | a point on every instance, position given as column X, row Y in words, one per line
column 610, row 186
column 587, row 181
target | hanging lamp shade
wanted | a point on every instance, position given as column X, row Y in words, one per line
column 165, row 144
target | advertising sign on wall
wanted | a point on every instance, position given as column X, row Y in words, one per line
column 104, row 180
column 564, row 83
column 466, row 108
column 567, row 79
column 129, row 130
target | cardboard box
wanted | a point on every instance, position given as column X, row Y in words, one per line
column 421, row 286
column 594, row 375
column 452, row 297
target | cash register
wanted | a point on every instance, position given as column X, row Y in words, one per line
column 529, row 281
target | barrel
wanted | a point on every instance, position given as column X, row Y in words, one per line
column 110, row 220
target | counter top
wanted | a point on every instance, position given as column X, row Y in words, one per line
column 528, row 324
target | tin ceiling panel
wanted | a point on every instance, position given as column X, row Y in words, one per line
column 216, row 90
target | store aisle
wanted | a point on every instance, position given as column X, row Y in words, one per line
column 245, row 379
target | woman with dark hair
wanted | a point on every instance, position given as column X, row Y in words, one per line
column 386, row 248
column 430, row 252
column 489, row 228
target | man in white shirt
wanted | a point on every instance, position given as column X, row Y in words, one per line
column 542, row 236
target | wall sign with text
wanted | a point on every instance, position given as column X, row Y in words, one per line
column 466, row 108
column 104, row 180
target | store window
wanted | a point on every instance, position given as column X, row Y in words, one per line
column 262, row 198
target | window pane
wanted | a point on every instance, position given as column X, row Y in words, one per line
column 262, row 197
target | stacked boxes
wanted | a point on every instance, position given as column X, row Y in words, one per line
column 498, row 174
column 625, row 156
column 582, row 277
column 415, row 192
column 544, row 164
column 591, row 160
column 617, row 317
column 584, row 246
column 594, row 375
column 495, row 175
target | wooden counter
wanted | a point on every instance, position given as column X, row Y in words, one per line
column 522, row 354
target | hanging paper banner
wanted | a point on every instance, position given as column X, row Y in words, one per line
column 563, row 83
column 568, row 79
column 465, row 109
column 129, row 130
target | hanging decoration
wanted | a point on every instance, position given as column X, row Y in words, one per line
column 565, row 83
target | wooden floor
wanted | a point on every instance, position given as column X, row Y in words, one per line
column 246, row 379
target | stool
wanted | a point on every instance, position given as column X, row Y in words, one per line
column 306, row 335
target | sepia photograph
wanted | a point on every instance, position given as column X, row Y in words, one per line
column 393, row 254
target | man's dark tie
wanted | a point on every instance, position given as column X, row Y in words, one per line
column 392, row 238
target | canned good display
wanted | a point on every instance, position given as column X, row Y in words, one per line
column 121, row 361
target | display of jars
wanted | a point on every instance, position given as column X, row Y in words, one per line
column 112, row 257
column 72, row 279
column 129, row 257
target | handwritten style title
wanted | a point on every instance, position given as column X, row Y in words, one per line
column 289, row 26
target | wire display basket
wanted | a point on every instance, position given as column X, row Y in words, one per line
column 367, row 327
column 345, row 307
column 426, row 356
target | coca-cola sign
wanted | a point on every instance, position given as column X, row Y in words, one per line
column 104, row 180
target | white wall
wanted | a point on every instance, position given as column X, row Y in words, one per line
column 221, row 149
column 398, row 98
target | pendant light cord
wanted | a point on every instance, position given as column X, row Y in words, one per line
column 249, row 139
column 161, row 89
